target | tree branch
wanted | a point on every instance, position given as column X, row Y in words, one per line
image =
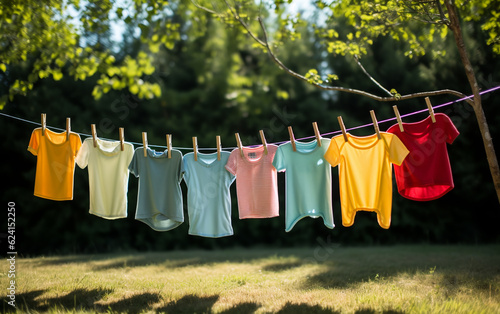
column 351, row 90
column 265, row 44
column 370, row 77
column 203, row 8
column 245, row 26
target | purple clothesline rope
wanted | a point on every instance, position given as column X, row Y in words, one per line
column 402, row 116
column 299, row 139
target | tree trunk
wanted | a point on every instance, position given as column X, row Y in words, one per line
column 477, row 105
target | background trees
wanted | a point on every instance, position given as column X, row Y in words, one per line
column 207, row 78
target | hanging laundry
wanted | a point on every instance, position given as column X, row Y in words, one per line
column 365, row 174
column 159, row 199
column 55, row 165
column 425, row 174
column 256, row 181
column 308, row 182
column 108, row 176
column 208, row 196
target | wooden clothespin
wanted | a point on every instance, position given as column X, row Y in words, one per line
column 292, row 138
column 169, row 145
column 264, row 142
column 316, row 132
column 145, row 143
column 342, row 127
column 121, row 131
column 240, row 146
column 217, row 139
column 94, row 134
column 400, row 123
column 431, row 110
column 68, row 128
column 195, row 148
column 44, row 123
column 375, row 124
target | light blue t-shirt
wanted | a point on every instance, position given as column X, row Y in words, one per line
column 308, row 182
column 208, row 197
column 159, row 200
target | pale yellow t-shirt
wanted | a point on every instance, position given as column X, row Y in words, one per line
column 108, row 176
column 55, row 164
column 365, row 173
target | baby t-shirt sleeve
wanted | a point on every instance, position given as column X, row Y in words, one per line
column 279, row 160
column 82, row 158
column 133, row 166
column 232, row 164
column 76, row 143
column 451, row 130
column 34, row 142
column 332, row 154
column 181, row 168
column 397, row 151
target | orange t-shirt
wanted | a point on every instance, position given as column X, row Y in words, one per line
column 55, row 165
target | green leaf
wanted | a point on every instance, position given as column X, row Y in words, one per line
column 3, row 67
column 3, row 101
column 281, row 94
column 332, row 77
column 154, row 47
column 97, row 93
column 134, row 89
column 156, row 90
column 57, row 75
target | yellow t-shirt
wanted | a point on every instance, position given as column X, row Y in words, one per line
column 365, row 173
column 55, row 165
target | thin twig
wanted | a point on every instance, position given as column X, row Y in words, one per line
column 371, row 77
column 203, row 8
column 237, row 17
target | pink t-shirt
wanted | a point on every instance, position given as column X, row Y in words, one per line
column 256, row 181
column 425, row 174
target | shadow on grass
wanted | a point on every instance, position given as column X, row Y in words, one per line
column 305, row 308
column 79, row 299
column 279, row 267
column 24, row 300
column 242, row 308
column 191, row 304
column 135, row 304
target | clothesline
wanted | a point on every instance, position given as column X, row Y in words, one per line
column 281, row 142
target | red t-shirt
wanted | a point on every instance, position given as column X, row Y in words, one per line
column 425, row 174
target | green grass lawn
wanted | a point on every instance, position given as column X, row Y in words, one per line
column 322, row 279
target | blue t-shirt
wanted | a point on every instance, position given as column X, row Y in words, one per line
column 159, row 200
column 208, row 197
column 308, row 182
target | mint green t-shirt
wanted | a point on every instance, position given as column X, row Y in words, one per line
column 159, row 200
column 308, row 182
column 208, row 196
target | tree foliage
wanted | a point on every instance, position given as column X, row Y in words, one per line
column 55, row 38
